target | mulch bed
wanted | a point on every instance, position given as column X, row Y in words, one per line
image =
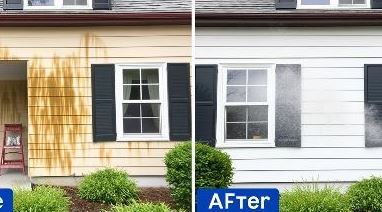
column 145, row 195
column 79, row 205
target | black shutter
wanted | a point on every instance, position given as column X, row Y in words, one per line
column 373, row 105
column 288, row 106
column 103, row 101
column 286, row 4
column 179, row 101
column 376, row 4
column 13, row 5
column 205, row 95
column 101, row 4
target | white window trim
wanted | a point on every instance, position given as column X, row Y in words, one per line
column 334, row 4
column 221, row 99
column 164, row 122
column 59, row 5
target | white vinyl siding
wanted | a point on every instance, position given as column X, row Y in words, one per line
column 333, row 130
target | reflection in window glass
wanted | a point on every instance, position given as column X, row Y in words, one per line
column 315, row 2
column 40, row 2
column 246, row 110
column 352, row 2
column 236, row 77
column 75, row 2
column 247, row 122
column 143, row 114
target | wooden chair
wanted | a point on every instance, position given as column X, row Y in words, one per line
column 15, row 131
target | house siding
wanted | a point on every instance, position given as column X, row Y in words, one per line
column 333, row 129
column 136, row 6
column 59, row 93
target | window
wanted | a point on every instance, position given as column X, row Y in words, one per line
column 247, row 94
column 57, row 4
column 332, row 4
column 141, row 102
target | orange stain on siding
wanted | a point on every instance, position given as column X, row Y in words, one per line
column 62, row 74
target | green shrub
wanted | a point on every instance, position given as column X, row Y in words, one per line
column 178, row 176
column 41, row 199
column 366, row 195
column 142, row 207
column 213, row 167
column 313, row 199
column 108, row 186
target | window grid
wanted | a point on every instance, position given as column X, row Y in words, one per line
column 246, row 103
column 142, row 101
column 353, row 2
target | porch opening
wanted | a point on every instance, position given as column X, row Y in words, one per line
column 14, row 110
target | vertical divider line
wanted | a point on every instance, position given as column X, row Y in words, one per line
column 192, row 78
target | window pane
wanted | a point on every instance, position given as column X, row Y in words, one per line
column 235, row 131
column 257, row 77
column 315, row 2
column 345, row 1
column 150, row 76
column 257, row 131
column 75, row 2
column 359, row 2
column 131, row 110
column 81, row 2
column 257, row 94
column 236, row 77
column 69, row 2
column 150, row 91
column 131, row 92
column 236, row 113
column 150, row 125
column 131, row 125
column 150, row 110
column 235, row 93
column 40, row 2
column 131, row 76
column 257, row 113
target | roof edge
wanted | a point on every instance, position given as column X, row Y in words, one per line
column 327, row 18
column 92, row 19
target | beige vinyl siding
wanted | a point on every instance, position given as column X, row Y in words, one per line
column 59, row 93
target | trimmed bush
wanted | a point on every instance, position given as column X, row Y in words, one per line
column 313, row 199
column 366, row 195
column 178, row 176
column 142, row 207
column 213, row 167
column 108, row 186
column 41, row 199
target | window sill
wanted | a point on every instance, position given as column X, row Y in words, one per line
column 142, row 138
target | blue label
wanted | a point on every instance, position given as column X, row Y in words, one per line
column 266, row 200
column 6, row 200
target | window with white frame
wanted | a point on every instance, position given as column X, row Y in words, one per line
column 248, row 97
column 141, row 106
column 57, row 4
column 333, row 4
